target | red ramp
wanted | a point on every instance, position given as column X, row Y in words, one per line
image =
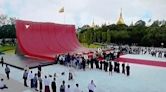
column 45, row 40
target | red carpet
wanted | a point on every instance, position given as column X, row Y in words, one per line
column 145, row 62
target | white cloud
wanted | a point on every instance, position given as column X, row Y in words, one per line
column 1, row 6
column 80, row 12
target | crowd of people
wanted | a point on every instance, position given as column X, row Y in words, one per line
column 156, row 52
column 102, row 61
column 48, row 83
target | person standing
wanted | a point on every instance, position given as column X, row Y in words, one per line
column 77, row 89
column 35, row 82
column 118, row 67
column 110, row 67
column 25, row 76
column 53, row 85
column 47, row 83
column 68, row 89
column 115, row 66
column 91, row 86
column 7, row 71
column 91, row 63
column 83, row 63
column 40, row 84
column 101, row 65
column 70, row 76
column 62, row 87
column 123, row 68
column 39, row 73
column 106, row 65
column 96, row 63
column 39, row 68
column 2, row 61
column 31, row 76
column 128, row 70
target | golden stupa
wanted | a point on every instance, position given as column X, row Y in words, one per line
column 120, row 20
column 93, row 24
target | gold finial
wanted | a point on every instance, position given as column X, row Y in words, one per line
column 93, row 23
column 120, row 20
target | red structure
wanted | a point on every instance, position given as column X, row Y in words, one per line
column 46, row 40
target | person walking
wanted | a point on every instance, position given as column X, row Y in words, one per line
column 2, row 85
column 91, row 86
column 25, row 76
column 7, row 71
column 53, row 85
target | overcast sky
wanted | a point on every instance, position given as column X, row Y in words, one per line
column 80, row 12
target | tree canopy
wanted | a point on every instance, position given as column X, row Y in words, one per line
column 138, row 34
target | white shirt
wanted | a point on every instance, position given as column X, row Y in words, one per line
column 47, row 82
column 30, row 75
column 77, row 89
column 67, row 90
column 86, row 57
column 60, row 57
column 91, row 86
column 80, row 60
column 1, row 84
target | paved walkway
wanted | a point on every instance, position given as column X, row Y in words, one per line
column 14, row 86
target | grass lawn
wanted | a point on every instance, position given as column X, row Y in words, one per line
column 91, row 45
column 7, row 48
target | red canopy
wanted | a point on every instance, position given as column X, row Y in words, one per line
column 45, row 40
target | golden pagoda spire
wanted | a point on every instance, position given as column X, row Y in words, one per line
column 93, row 23
column 120, row 20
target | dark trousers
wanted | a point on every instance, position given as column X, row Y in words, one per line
column 25, row 82
column 4, row 87
column 128, row 73
column 54, row 90
column 7, row 75
column 40, row 86
column 90, row 91
column 47, row 89
column 32, row 83
column 2, row 64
